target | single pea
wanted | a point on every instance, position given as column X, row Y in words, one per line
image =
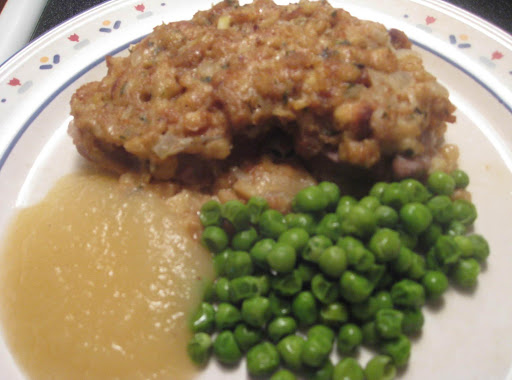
column 403, row 262
column 435, row 283
column 246, row 336
column 256, row 207
column 290, row 351
column 301, row 220
column 280, row 327
column 272, row 224
column 431, row 260
column 244, row 240
column 199, row 348
column 415, row 217
column 264, row 284
column 238, row 264
column 377, row 190
column 310, row 199
column 370, row 336
column 314, row 247
column 236, row 213
column 408, row 293
column 279, row 306
column 283, row 374
column 385, row 245
column 415, row 190
column 386, row 216
column 347, row 200
column 324, row 290
column 359, row 222
column 282, row 258
column 441, row 208
column 295, row 237
column 480, row 247
column 227, row 316
column 331, row 191
column 350, row 337
column 455, row 228
column 256, row 311
column 447, row 252
column 226, row 349
column 465, row 273
column 408, row 240
column 219, row 262
column 370, row 202
column 210, row 214
column 464, row 211
column 383, row 300
column 262, row 359
column 288, row 284
column 354, row 287
column 203, row 319
column 441, row 183
column 380, row 367
column 358, row 257
column 315, row 352
column 388, row 323
column 461, row 178
column 333, row 261
column 465, row 245
column 208, row 290
column 348, row 369
column 394, row 196
column 334, row 314
column 323, row 333
column 323, row 372
column 344, row 205
column 329, row 226
column 375, row 273
column 413, row 320
column 307, row 271
column 304, row 308
column 429, row 237
column 215, row 239
column 399, row 349
column 260, row 251
column 418, row 267
column 244, row 287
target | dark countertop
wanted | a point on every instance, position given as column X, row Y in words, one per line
column 498, row 12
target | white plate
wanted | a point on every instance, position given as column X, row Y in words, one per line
column 471, row 337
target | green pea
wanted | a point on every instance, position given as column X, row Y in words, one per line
column 441, row 183
column 262, row 359
column 238, row 264
column 227, row 316
column 323, row 372
column 394, row 196
column 304, row 308
column 243, row 240
column 324, row 290
column 310, row 199
column 413, row 320
column 199, row 348
column 358, row 257
column 435, row 283
column 455, row 228
column 301, row 220
column 281, row 327
column 359, row 222
column 418, row 267
column 226, row 349
column 364, row 311
column 465, row 273
column 329, row 226
column 375, row 273
column 334, row 314
column 288, row 284
column 408, row 293
column 272, row 224
column 208, row 290
column 461, row 178
column 210, row 214
column 415, row 217
column 388, row 323
column 282, row 258
column 260, row 251
column 386, row 216
column 219, row 262
column 399, row 349
column 333, row 261
column 256, row 207
column 429, row 237
column 441, row 208
column 377, row 190
column 307, row 271
column 348, row 369
column 264, row 284
column 203, row 319
column 215, row 239
column 256, row 311
column 385, row 245
column 314, row 247
column 383, row 300
column 323, row 333
column 350, row 337
column 380, row 367
column 407, row 240
column 331, row 191
column 290, row 351
column 465, row 245
column 464, row 211
column 283, row 374
column 385, row 281
column 344, row 205
column 315, row 352
column 403, row 262
column 415, row 190
column 279, row 306
column 354, row 287
column 236, row 213
column 370, row 336
column 247, row 337
column 244, row 287
column 370, row 202
column 447, row 252
column 480, row 247
column 295, row 237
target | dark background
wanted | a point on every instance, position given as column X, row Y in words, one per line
column 498, row 12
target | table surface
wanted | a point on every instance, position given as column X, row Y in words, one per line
column 497, row 12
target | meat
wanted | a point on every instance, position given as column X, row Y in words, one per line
column 189, row 92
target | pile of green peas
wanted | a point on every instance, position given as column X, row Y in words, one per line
column 334, row 274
